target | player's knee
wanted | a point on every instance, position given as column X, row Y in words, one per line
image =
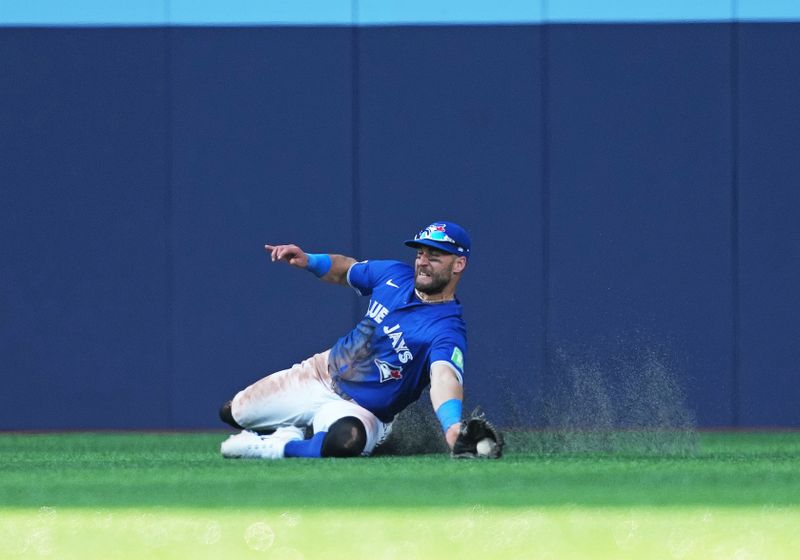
column 226, row 415
column 347, row 437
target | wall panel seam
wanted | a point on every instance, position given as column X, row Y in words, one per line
column 355, row 140
column 735, row 215
column 169, row 230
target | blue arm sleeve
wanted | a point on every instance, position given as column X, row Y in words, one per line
column 449, row 413
column 319, row 264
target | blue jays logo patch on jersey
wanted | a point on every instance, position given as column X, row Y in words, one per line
column 388, row 371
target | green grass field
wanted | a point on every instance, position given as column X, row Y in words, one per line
column 736, row 496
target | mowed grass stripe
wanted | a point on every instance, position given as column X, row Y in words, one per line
column 172, row 496
column 384, row 533
column 185, row 470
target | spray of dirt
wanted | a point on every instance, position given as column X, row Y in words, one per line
column 415, row 431
column 633, row 403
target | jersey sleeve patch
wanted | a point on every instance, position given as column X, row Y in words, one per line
column 458, row 358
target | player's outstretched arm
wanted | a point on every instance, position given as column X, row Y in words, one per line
column 333, row 270
column 445, row 388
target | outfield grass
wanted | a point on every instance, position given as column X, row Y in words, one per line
column 736, row 496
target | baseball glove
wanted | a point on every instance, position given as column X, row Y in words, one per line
column 478, row 439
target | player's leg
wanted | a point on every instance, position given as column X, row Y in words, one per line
column 343, row 421
column 226, row 415
column 250, row 445
column 288, row 397
column 341, row 429
column 283, row 404
column 346, row 437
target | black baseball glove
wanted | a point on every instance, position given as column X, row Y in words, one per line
column 476, row 429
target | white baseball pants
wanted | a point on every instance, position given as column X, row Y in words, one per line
column 302, row 396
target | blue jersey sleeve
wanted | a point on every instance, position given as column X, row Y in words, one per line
column 451, row 349
column 365, row 275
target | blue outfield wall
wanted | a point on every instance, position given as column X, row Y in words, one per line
column 631, row 190
column 768, row 175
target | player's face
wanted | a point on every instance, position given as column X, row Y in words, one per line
column 433, row 270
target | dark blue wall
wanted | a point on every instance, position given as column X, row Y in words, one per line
column 84, row 176
column 640, row 180
column 261, row 153
column 631, row 190
column 768, row 218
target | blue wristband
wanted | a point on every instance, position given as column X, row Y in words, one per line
column 449, row 413
column 319, row 264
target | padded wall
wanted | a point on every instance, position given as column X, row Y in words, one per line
column 629, row 188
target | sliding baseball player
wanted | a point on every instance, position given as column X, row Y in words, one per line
column 411, row 336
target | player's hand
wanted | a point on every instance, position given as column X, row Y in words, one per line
column 292, row 254
column 478, row 438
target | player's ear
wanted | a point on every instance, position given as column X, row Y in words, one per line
column 459, row 265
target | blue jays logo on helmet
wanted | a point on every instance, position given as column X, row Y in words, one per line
column 445, row 236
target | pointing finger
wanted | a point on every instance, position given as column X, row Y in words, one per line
column 273, row 251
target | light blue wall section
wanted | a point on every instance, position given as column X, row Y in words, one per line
column 260, row 12
column 767, row 10
column 175, row 12
column 400, row 12
column 598, row 11
column 83, row 12
column 385, row 12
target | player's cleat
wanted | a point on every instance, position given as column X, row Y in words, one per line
column 242, row 444
column 250, row 445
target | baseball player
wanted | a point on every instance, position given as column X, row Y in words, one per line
column 411, row 336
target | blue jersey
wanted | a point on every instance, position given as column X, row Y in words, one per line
column 384, row 362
